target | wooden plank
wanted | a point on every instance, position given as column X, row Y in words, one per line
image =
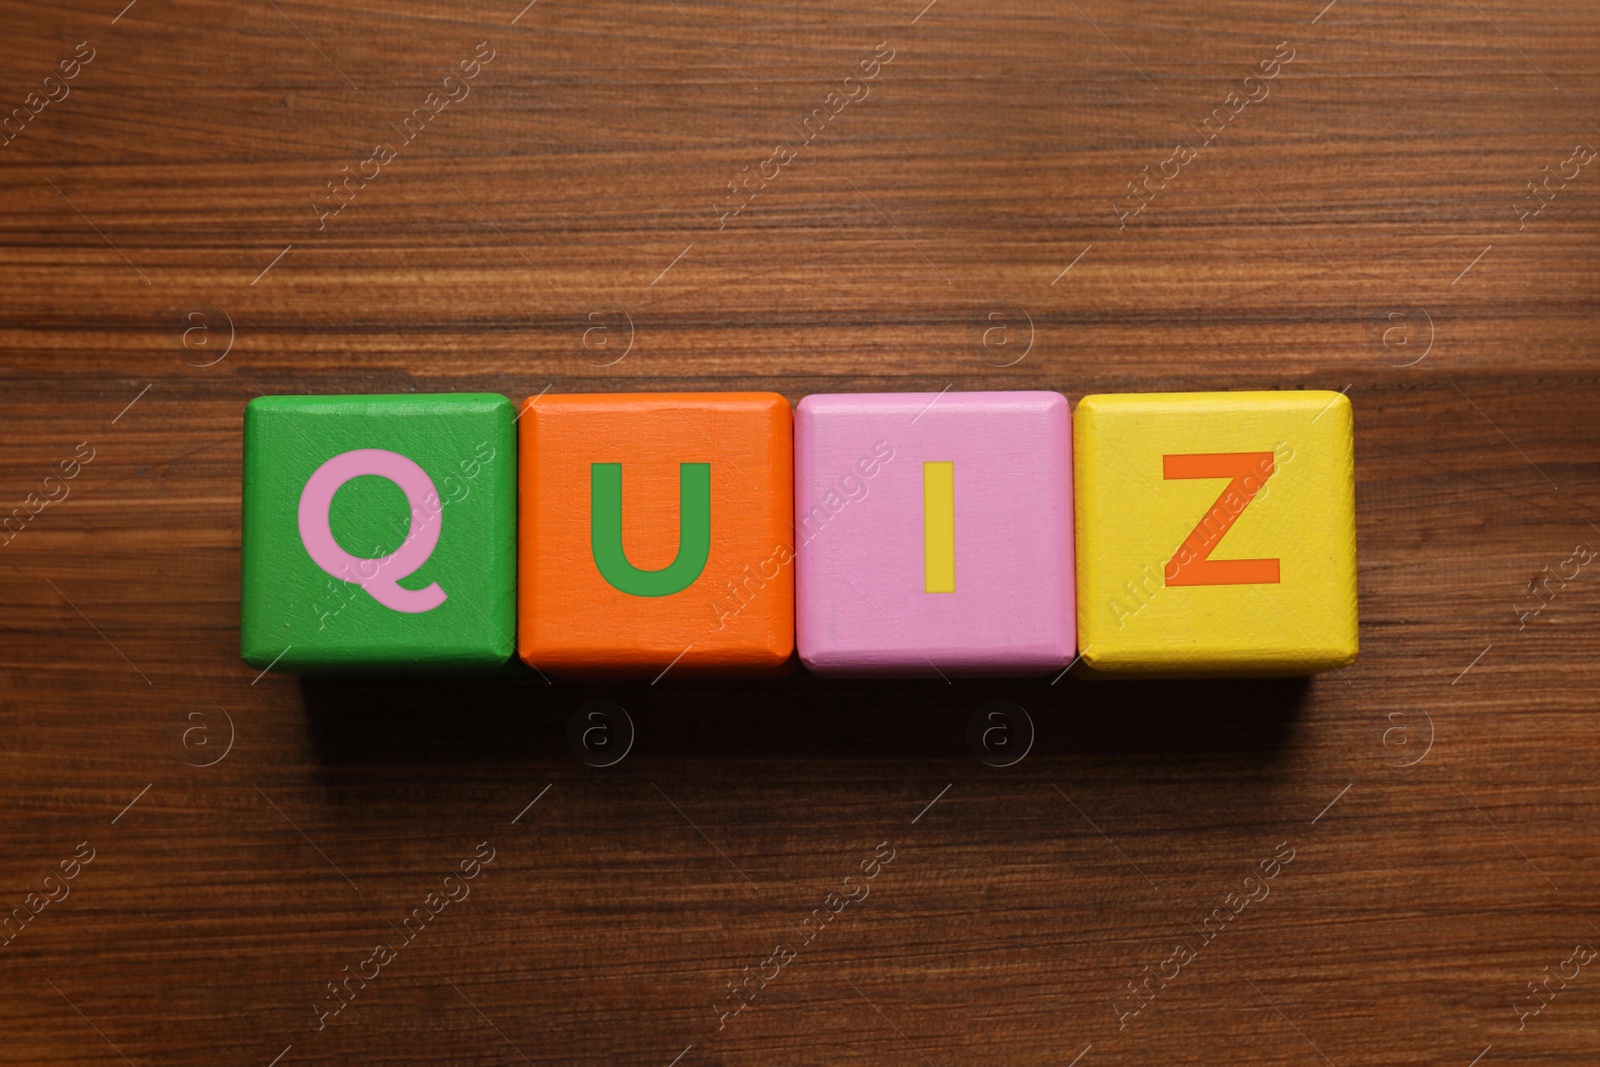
column 958, row 222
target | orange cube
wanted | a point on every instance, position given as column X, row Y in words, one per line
column 656, row 531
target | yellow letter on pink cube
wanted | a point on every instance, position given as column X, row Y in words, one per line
column 1216, row 532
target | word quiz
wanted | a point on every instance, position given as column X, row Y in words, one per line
column 898, row 534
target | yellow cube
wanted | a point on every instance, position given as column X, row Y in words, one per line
column 1216, row 532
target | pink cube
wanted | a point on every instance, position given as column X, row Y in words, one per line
column 934, row 533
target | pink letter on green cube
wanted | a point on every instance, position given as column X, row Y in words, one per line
column 379, row 532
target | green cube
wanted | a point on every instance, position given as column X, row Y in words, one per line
column 379, row 532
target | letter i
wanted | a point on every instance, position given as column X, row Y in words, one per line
column 939, row 527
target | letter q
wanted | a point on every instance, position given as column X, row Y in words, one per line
column 381, row 579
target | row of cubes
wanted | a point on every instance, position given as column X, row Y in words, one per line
column 992, row 533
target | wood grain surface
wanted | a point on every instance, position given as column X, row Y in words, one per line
column 962, row 218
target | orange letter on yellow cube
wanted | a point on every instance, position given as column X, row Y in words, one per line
column 1215, row 532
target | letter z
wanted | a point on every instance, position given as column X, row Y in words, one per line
column 1192, row 565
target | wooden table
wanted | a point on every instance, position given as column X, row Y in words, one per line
column 960, row 218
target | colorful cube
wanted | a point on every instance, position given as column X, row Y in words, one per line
column 1216, row 532
column 935, row 533
column 657, row 533
column 379, row 532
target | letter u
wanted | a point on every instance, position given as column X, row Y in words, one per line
column 694, row 531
